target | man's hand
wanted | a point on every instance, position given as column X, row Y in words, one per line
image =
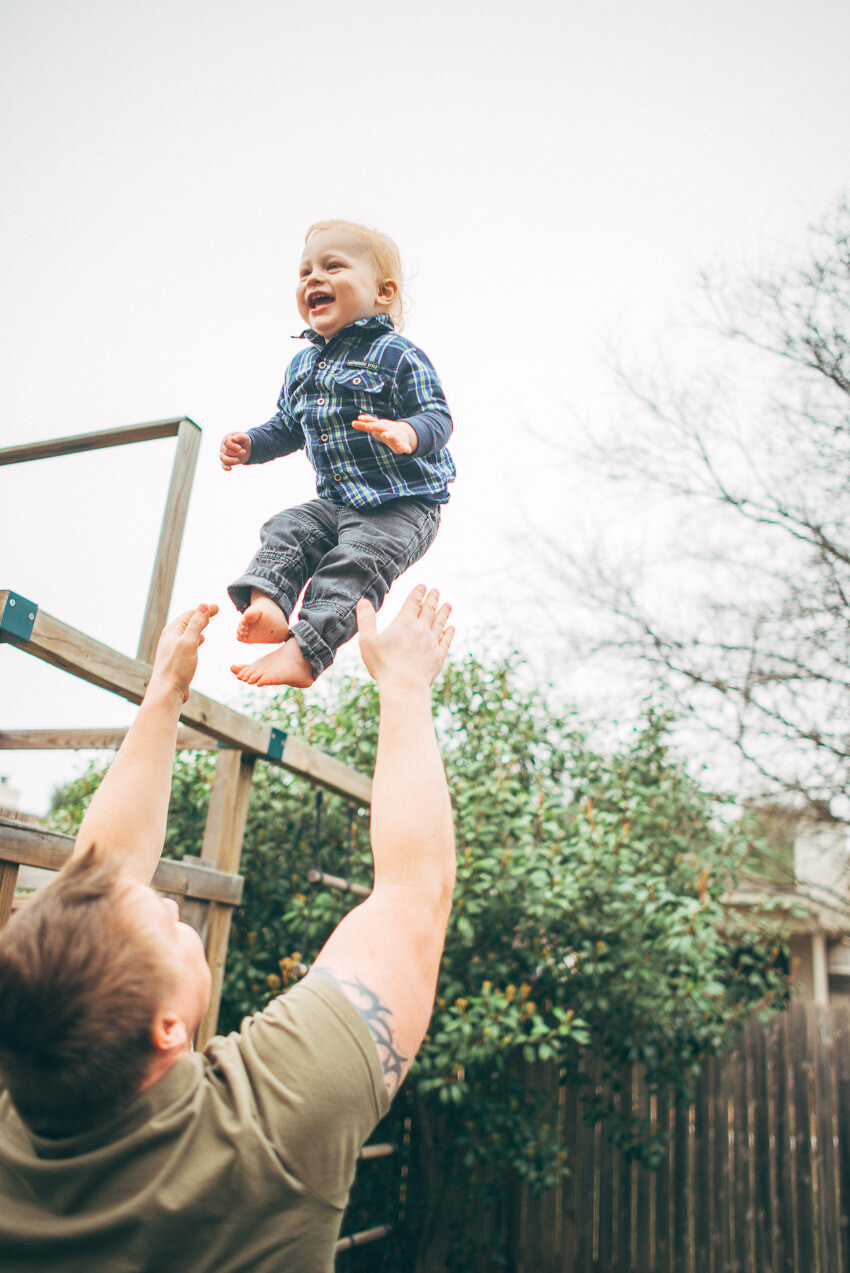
column 398, row 435
column 127, row 814
column 235, row 449
column 176, row 655
column 410, row 653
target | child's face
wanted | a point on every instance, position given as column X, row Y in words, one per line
column 337, row 283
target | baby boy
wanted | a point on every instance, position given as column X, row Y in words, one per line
column 367, row 406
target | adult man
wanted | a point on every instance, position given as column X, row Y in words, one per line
column 122, row 1150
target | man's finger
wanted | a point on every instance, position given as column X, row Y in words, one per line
column 197, row 619
column 413, row 605
column 367, row 624
column 429, row 605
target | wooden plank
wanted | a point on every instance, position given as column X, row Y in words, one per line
column 644, row 1186
column 62, row 646
column 721, row 1236
column 662, row 1191
column 89, row 441
column 804, row 1182
column 586, row 1174
column 222, row 847
column 623, row 1167
column 29, row 845
column 606, row 1187
column 760, row 1113
column 740, row 1191
column 170, row 539
column 105, row 739
column 570, row 1131
column 825, row 1131
column 842, row 1058
column 782, row 1085
column 540, row 1236
column 302, row 758
column 701, row 1197
column 8, row 880
column 682, row 1186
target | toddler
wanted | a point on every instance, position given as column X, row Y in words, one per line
column 369, row 409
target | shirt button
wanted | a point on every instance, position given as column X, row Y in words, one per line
column 324, row 437
column 323, row 364
column 337, row 477
column 356, row 380
column 321, row 401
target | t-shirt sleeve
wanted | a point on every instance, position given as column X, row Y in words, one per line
column 316, row 1084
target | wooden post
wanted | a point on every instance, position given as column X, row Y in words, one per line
column 8, row 880
column 222, row 848
column 168, row 549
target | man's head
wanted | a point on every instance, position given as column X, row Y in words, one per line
column 93, row 996
column 347, row 272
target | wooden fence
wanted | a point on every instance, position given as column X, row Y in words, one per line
column 756, row 1178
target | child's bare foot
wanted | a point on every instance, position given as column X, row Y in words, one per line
column 283, row 666
column 263, row 621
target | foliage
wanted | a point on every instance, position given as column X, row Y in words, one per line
column 588, row 913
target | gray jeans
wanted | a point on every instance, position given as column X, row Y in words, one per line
column 345, row 553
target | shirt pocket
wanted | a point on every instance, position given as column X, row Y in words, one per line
column 356, row 380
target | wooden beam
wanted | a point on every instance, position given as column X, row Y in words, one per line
column 8, row 880
column 90, row 739
column 222, row 847
column 170, row 539
column 90, row 441
column 62, row 646
column 26, row 845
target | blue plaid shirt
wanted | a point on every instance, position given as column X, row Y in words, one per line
column 365, row 368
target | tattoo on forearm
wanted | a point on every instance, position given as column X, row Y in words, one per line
column 377, row 1017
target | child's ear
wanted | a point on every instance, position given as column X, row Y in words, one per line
column 387, row 291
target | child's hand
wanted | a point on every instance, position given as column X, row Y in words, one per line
column 398, row 435
column 235, row 449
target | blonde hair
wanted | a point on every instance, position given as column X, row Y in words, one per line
column 384, row 253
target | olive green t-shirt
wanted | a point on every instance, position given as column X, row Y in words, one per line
column 240, row 1158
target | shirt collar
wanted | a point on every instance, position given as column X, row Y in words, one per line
column 377, row 322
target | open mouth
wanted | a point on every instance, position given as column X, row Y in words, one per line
column 317, row 299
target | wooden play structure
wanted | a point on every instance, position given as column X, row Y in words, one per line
column 207, row 888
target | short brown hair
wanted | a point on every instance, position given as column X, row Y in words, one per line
column 79, row 988
column 384, row 252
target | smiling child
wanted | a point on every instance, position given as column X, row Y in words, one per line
column 367, row 406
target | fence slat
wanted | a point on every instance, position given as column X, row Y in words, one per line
column 785, row 1207
column 825, row 1132
column 570, row 1131
column 644, row 1188
column 701, row 1197
column 623, row 1249
column 662, row 1192
column 607, row 1206
column 586, row 1179
column 841, row 1044
column 760, row 1108
column 800, row 1064
column 721, row 1236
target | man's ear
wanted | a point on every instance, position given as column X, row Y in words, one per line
column 168, row 1032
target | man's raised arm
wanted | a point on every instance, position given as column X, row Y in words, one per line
column 127, row 814
column 385, row 954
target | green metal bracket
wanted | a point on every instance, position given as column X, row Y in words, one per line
column 18, row 617
column 277, row 741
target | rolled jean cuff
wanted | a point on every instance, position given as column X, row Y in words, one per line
column 316, row 651
column 240, row 592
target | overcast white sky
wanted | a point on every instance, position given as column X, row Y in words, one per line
column 554, row 172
